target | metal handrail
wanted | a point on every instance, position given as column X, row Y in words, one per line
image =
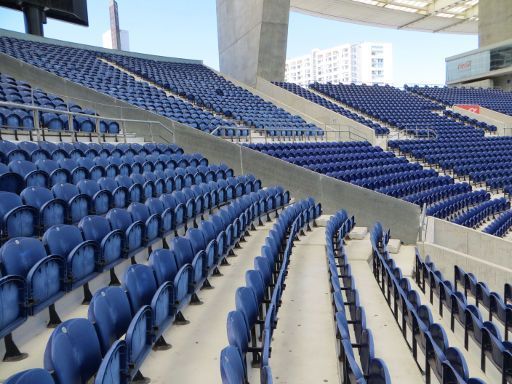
column 97, row 118
column 302, row 136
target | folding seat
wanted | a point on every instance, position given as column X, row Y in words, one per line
column 73, row 352
column 29, row 172
column 121, row 219
column 239, row 335
column 134, row 189
column 141, row 212
column 142, row 290
column 10, row 181
column 11, row 152
column 45, row 275
column 95, row 171
column 76, row 172
column 183, row 249
column 79, row 205
column 81, row 256
column 16, row 218
column 111, row 170
column 167, row 216
column 52, row 211
column 56, row 173
column 166, row 269
column 158, row 183
column 120, row 195
column 13, row 307
column 30, row 376
column 232, row 367
column 114, row 365
column 101, row 199
column 109, row 242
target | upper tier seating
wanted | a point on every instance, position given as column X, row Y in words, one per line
column 495, row 99
column 370, row 167
column 20, row 92
column 198, row 93
column 315, row 98
column 401, row 109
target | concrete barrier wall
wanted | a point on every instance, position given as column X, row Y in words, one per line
column 328, row 119
column 484, row 247
column 368, row 206
column 495, row 275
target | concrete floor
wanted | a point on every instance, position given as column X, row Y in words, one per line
column 194, row 356
column 304, row 344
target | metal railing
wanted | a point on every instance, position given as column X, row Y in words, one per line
column 251, row 134
column 414, row 133
column 42, row 132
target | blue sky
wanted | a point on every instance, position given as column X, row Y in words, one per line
column 188, row 28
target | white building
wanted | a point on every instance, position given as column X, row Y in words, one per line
column 367, row 62
column 125, row 40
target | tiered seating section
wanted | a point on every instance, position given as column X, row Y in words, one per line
column 403, row 110
column 370, row 167
column 315, row 98
column 350, row 316
column 257, row 303
column 468, row 301
column 189, row 93
column 57, row 240
column 20, row 92
column 496, row 99
column 416, row 320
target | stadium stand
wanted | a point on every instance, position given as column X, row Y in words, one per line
column 188, row 93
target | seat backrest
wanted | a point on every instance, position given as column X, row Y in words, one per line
column 94, row 227
column 232, row 368
column 183, row 250
column 8, row 201
column 65, row 191
column 107, row 183
column 139, row 212
column 31, row 376
column 111, row 314
column 197, row 240
column 140, row 285
column 61, row 239
column 163, row 263
column 238, row 331
column 36, row 196
column 73, row 352
column 20, row 254
column 88, row 187
column 119, row 218
column 245, row 301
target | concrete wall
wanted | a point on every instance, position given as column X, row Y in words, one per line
column 481, row 246
column 328, row 119
column 368, row 206
column 494, row 24
column 501, row 121
column 494, row 275
column 252, row 38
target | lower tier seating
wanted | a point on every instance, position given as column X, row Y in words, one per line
column 125, row 322
column 257, row 303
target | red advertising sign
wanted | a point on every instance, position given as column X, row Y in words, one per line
column 470, row 107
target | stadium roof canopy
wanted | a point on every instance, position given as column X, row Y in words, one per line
column 447, row 16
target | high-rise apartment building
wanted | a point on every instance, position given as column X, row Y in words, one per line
column 367, row 62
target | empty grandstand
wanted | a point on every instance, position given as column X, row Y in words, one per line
column 164, row 222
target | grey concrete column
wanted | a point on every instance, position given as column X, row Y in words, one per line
column 252, row 36
column 495, row 21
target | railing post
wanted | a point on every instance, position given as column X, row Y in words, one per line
column 36, row 123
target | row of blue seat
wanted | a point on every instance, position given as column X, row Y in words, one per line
column 501, row 225
column 70, row 256
column 485, row 333
column 150, row 300
column 477, row 215
column 15, row 91
column 447, row 363
column 258, row 302
column 370, row 369
column 454, row 204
